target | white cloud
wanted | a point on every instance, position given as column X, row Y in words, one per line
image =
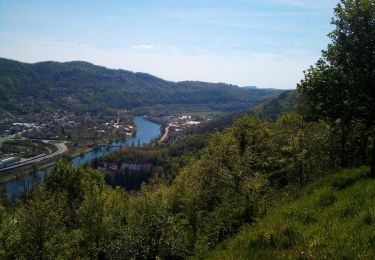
column 143, row 46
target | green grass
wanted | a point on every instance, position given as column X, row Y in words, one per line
column 333, row 218
column 26, row 148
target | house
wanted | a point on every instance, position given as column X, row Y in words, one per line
column 137, row 167
column 112, row 167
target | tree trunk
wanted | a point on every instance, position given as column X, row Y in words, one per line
column 344, row 162
column 331, row 152
column 373, row 157
column 365, row 137
column 300, row 172
column 364, row 149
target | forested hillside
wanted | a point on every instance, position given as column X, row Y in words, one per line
column 270, row 110
column 81, row 86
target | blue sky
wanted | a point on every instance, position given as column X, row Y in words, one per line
column 267, row 43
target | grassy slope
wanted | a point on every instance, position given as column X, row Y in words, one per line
column 333, row 218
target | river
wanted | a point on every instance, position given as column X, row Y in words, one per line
column 146, row 132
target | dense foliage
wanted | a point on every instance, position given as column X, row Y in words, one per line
column 340, row 88
column 81, row 86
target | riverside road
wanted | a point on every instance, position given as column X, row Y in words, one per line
column 61, row 148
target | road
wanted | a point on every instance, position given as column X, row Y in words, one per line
column 61, row 148
column 165, row 134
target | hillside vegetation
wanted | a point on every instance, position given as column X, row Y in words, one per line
column 81, row 86
column 270, row 110
column 334, row 218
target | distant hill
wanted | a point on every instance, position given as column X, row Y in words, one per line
column 251, row 87
column 273, row 108
column 80, row 86
column 255, row 87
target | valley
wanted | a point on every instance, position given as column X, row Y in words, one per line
column 71, row 112
column 103, row 162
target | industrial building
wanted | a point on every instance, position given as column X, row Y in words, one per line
column 7, row 162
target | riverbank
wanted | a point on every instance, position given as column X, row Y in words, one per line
column 165, row 134
column 74, row 152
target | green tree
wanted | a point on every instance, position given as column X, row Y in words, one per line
column 41, row 226
column 341, row 86
column 290, row 132
column 91, row 217
column 67, row 181
column 9, row 235
column 226, row 186
column 152, row 232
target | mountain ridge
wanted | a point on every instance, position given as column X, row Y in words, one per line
column 82, row 86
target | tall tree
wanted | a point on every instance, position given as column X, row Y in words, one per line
column 341, row 86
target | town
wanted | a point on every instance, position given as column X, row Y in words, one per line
column 176, row 126
column 26, row 140
column 23, row 138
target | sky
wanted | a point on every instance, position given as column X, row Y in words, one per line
column 264, row 43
